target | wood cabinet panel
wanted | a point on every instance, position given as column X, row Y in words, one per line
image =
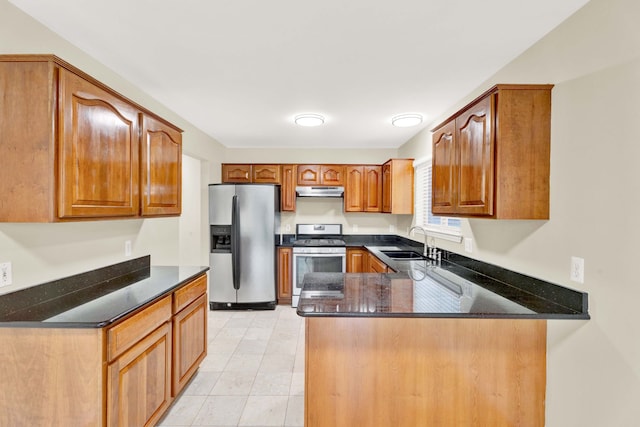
column 320, row 175
column 309, row 175
column 236, row 173
column 363, row 188
column 189, row 293
column 285, row 278
column 372, row 188
column 139, row 381
column 397, row 186
column 428, row 372
column 98, row 151
column 189, row 341
column 332, row 174
column 38, row 364
column 500, row 161
column 288, row 188
column 374, row 265
column 161, row 168
column 265, row 174
column 444, row 177
column 357, row 260
column 130, row 331
column 354, row 189
column 475, row 167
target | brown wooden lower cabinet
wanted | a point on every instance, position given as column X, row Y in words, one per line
column 374, row 265
column 139, row 381
column 285, row 278
column 357, row 260
column 126, row 374
column 424, row 372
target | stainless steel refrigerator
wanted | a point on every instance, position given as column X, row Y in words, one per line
column 244, row 220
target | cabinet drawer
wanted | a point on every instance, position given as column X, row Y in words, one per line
column 188, row 293
column 124, row 335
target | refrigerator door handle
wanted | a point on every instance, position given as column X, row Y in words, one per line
column 235, row 242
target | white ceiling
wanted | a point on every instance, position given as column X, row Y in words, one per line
column 240, row 70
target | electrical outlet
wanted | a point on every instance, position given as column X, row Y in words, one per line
column 392, row 228
column 468, row 244
column 127, row 248
column 577, row 269
column 287, row 227
column 355, row 228
column 5, row 274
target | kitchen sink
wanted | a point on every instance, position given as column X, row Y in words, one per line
column 403, row 255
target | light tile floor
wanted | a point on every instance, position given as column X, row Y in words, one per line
column 253, row 374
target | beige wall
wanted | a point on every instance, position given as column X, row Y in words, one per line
column 594, row 61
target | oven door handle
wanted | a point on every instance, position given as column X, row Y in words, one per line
column 235, row 242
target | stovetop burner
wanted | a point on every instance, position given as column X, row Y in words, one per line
column 319, row 235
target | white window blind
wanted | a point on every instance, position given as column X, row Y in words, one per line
column 443, row 227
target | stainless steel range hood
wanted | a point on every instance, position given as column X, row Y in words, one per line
column 310, row 191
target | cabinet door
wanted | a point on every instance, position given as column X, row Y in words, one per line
column 288, row 188
column 236, row 173
column 285, row 278
column 308, row 174
column 354, row 190
column 474, row 138
column 189, row 341
column 357, row 260
column 372, row 189
column 161, row 168
column 375, row 265
column 386, row 187
column 97, row 151
column 139, row 381
column 266, row 174
column 331, row 175
column 443, row 179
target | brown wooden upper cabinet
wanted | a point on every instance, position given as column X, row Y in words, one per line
column 363, row 188
column 161, row 168
column 491, row 159
column 397, row 186
column 320, row 175
column 265, row 174
column 71, row 147
column 288, row 188
column 250, row 173
column 232, row 172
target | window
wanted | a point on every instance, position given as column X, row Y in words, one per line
column 439, row 226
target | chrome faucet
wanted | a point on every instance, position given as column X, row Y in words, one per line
column 424, row 244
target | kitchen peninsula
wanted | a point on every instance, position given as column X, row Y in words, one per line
column 439, row 343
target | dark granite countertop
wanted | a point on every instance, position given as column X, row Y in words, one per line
column 93, row 299
column 457, row 287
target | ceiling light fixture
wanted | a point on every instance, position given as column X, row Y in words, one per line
column 309, row 119
column 406, row 120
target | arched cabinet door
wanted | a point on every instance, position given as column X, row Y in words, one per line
column 475, row 144
column 97, row 153
column 444, row 190
column 161, row 168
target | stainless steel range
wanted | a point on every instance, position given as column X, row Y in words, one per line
column 318, row 248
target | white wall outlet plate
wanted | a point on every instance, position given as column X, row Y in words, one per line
column 468, row 244
column 577, row 269
column 355, row 228
column 127, row 248
column 5, row 274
